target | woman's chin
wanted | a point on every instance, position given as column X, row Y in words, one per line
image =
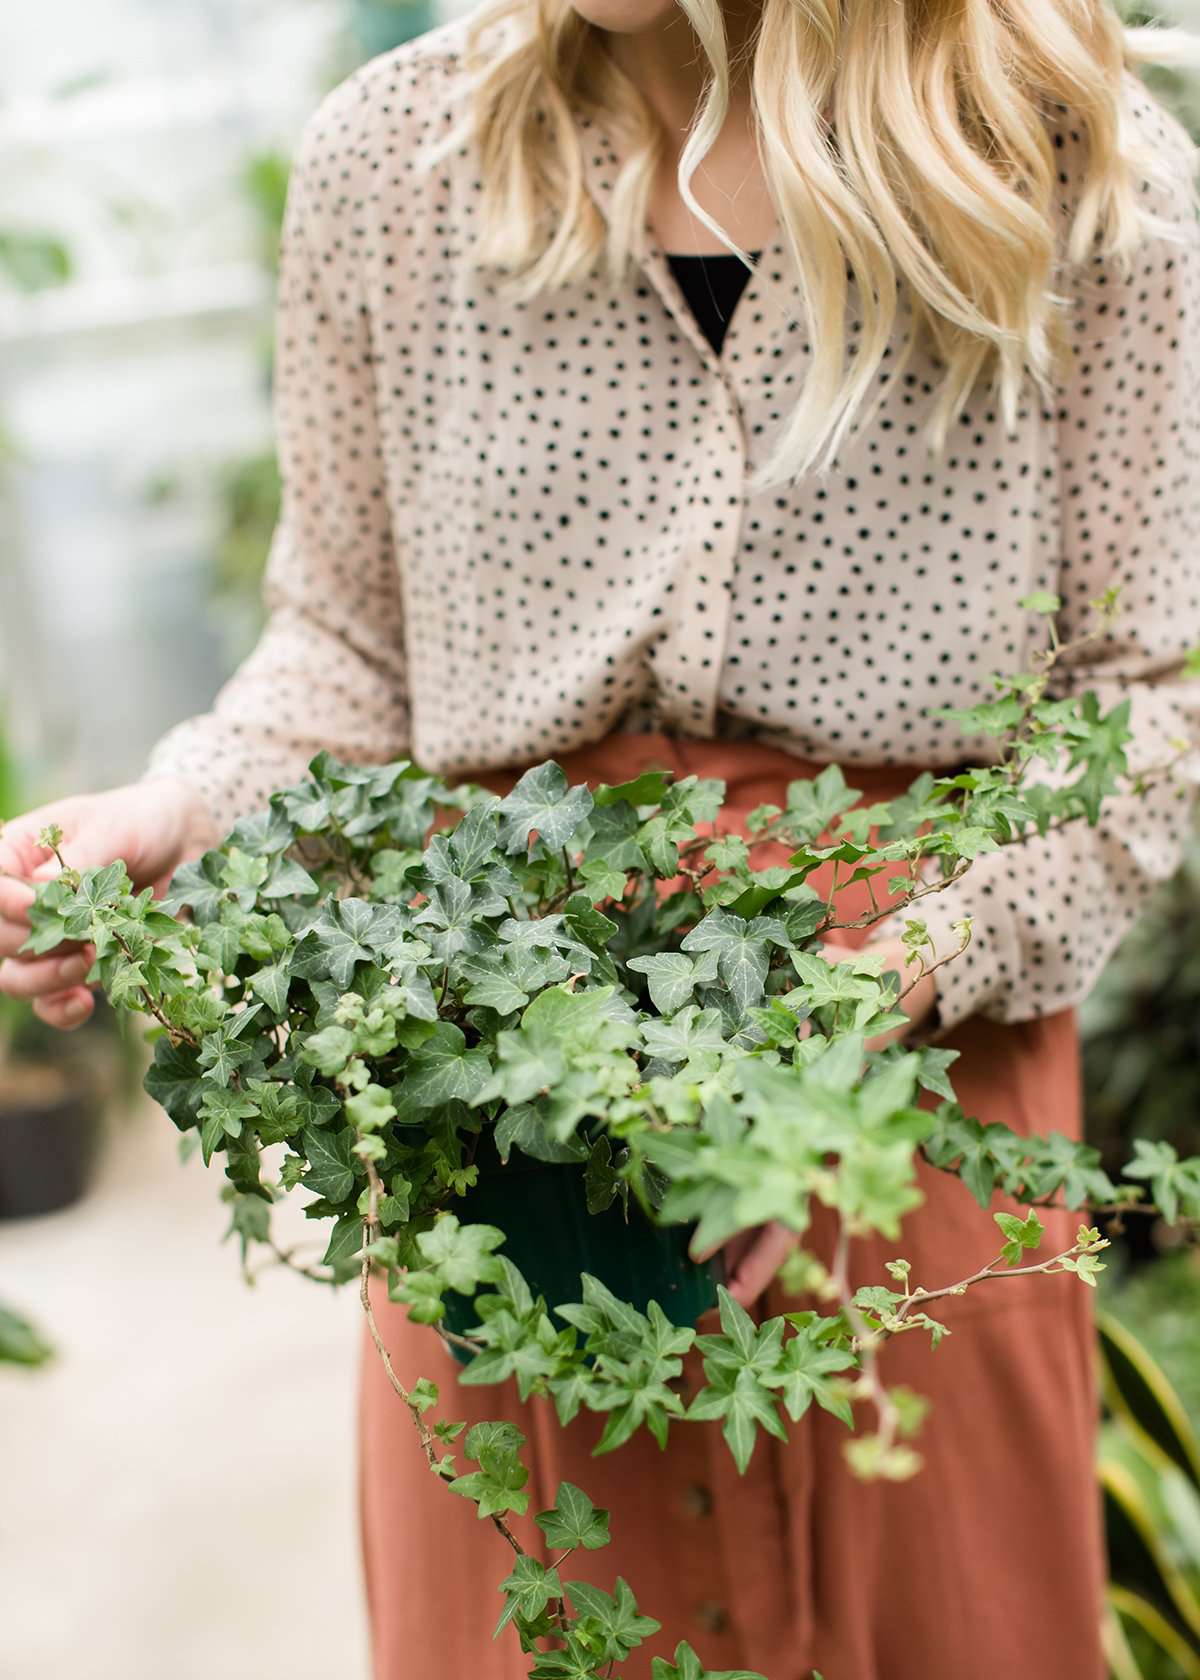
column 627, row 17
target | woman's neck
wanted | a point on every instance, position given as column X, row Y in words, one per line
column 667, row 65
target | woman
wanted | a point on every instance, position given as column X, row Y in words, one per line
column 601, row 514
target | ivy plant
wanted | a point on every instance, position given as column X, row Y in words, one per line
column 379, row 972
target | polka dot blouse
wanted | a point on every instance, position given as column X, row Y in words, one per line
column 508, row 530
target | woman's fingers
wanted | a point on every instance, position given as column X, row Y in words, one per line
column 65, row 1010
column 759, row 1264
column 15, row 898
column 34, row 977
column 20, row 853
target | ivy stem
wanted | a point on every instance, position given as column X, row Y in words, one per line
column 428, row 1444
column 919, row 1296
column 284, row 1257
column 931, row 968
column 177, row 1035
column 865, row 1340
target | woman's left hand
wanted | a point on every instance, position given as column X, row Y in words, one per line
column 753, row 1258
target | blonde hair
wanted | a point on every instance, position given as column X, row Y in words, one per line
column 898, row 138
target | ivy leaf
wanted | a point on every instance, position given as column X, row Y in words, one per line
column 813, row 805
column 687, row 1666
column 288, row 879
column 249, row 1221
column 602, row 1182
column 492, row 987
column 448, row 919
column 212, row 1131
column 1020, row 1234
column 602, row 881
column 223, row 944
column 244, row 875
column 97, row 888
column 331, row 1164
column 474, row 839
column 529, row 1129
column 569, row 1392
column 443, row 1070
column 931, row 1074
column 677, row 1040
column 278, row 1111
column 575, row 1661
column 740, row 1398
column 802, row 1376
column 672, row 976
column 462, row 1253
column 345, row 1240
column 222, row 1053
column 1041, row 601
column 173, row 1080
column 588, row 924
column 498, row 1485
column 613, row 842
column 370, row 1109
column 1172, row 1182
column 198, row 887
column 328, row 1050
column 650, row 788
column 530, row 1588
column 574, row 1521
column 228, row 1108
column 316, row 1105
column 1085, row 1267
column 336, row 941
column 542, row 800
column 46, row 917
column 271, row 985
column 615, row 1615
column 741, row 950
column 266, row 832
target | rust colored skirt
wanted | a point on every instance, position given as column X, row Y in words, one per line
column 988, row 1564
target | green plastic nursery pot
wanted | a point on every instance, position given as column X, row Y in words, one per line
column 380, row 26
column 551, row 1238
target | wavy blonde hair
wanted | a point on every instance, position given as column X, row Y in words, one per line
column 898, row 138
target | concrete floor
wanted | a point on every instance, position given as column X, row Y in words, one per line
column 177, row 1488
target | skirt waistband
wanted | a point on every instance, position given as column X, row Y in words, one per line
column 753, row 772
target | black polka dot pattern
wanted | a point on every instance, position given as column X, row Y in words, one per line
column 508, row 529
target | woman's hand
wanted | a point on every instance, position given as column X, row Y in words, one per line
column 153, row 825
column 753, row 1258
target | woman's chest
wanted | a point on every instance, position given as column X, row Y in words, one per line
column 570, row 482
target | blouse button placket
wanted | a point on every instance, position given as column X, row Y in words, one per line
column 689, row 655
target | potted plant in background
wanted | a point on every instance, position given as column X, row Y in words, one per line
column 21, row 1343
column 53, row 1087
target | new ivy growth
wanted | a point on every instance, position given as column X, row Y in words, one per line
column 378, row 967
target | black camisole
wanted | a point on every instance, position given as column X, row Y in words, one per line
column 711, row 283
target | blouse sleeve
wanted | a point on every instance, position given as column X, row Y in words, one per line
column 1049, row 912
column 328, row 670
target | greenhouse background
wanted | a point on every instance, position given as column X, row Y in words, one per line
column 143, row 163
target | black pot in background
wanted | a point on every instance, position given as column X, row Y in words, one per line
column 50, row 1133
